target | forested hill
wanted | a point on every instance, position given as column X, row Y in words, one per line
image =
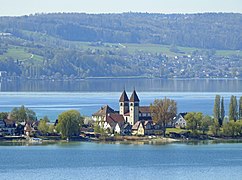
column 72, row 46
column 209, row 30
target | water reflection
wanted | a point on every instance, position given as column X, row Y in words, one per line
column 116, row 85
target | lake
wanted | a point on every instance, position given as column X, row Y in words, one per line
column 53, row 97
column 83, row 160
column 53, row 103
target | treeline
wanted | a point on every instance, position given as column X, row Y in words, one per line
column 219, row 125
column 67, row 125
column 208, row 30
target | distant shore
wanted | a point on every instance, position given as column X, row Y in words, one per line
column 118, row 77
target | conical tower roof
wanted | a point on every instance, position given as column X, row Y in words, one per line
column 134, row 97
column 123, row 97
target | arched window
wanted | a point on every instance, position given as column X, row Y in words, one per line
column 121, row 104
column 131, row 104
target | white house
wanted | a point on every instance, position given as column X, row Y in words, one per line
column 179, row 121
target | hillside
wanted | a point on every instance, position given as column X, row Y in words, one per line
column 70, row 46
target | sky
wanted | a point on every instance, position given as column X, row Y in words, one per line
column 26, row 7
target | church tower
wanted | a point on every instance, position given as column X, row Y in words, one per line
column 133, row 108
column 123, row 103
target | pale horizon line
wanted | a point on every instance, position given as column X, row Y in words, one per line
column 125, row 12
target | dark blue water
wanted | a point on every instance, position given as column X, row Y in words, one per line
column 120, row 161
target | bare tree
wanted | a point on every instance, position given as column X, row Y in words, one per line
column 163, row 111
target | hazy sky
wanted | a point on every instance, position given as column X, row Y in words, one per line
column 26, row 7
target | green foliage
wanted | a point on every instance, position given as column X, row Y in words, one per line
column 163, row 111
column 69, row 123
column 232, row 129
column 46, row 119
column 194, row 120
column 100, row 130
column 216, row 109
column 176, row 130
column 3, row 115
column 205, row 123
column 51, row 129
column 22, row 114
column 97, row 128
column 192, row 30
column 67, row 46
column 215, row 127
column 233, row 109
column 43, row 127
column 222, row 112
column 240, row 108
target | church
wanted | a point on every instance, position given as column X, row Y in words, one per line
column 130, row 115
column 131, row 110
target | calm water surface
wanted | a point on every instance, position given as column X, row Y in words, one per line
column 120, row 161
column 116, row 85
column 53, row 103
column 53, row 97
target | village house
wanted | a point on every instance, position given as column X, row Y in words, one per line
column 7, row 127
column 179, row 121
column 29, row 130
column 146, row 128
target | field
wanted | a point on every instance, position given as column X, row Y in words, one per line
column 21, row 53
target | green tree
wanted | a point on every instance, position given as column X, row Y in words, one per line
column 3, row 115
column 97, row 128
column 216, row 108
column 46, row 119
column 100, row 130
column 43, row 127
column 205, row 123
column 222, row 112
column 240, row 108
column 232, row 129
column 22, row 114
column 51, row 129
column 215, row 127
column 163, row 111
column 69, row 123
column 233, row 112
column 194, row 120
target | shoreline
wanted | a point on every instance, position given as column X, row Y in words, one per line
column 122, row 140
column 120, row 77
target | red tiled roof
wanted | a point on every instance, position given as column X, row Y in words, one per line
column 115, row 118
column 144, row 109
column 127, row 114
column 104, row 111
